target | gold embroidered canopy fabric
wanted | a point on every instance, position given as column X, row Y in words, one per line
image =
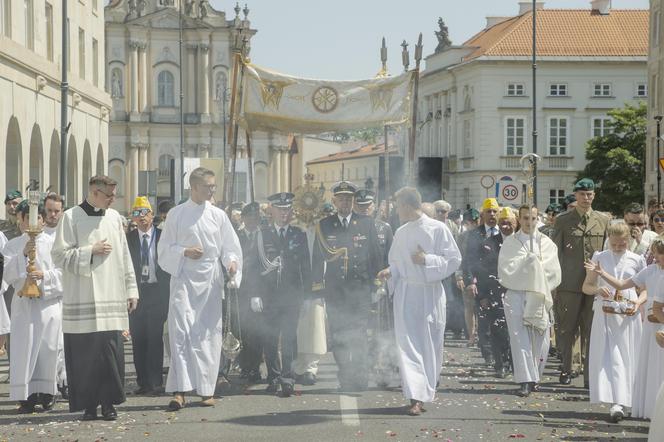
column 273, row 101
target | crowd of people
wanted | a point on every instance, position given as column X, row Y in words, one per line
column 377, row 283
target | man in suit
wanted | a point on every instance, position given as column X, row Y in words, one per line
column 578, row 233
column 476, row 280
column 251, row 323
column 285, row 275
column 346, row 259
column 147, row 322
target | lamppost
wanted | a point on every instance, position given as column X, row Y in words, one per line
column 658, row 119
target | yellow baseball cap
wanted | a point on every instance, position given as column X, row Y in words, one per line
column 490, row 204
column 506, row 213
column 141, row 202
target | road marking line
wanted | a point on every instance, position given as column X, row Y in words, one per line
column 348, row 406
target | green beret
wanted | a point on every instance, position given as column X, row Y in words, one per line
column 471, row 215
column 251, row 209
column 584, row 184
column 24, row 207
column 553, row 208
column 12, row 195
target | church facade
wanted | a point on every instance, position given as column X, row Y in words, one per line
column 143, row 77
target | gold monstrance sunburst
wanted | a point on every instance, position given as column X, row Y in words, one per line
column 308, row 201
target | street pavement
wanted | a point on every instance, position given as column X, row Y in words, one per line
column 471, row 405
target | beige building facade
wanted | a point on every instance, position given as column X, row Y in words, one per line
column 656, row 99
column 30, row 76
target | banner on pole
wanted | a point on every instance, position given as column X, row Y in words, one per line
column 279, row 102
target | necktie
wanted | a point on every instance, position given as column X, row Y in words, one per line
column 282, row 234
column 145, row 257
column 492, row 232
column 344, row 221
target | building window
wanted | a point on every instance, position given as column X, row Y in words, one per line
column 602, row 90
column 642, row 90
column 29, row 24
column 556, row 196
column 515, row 135
column 601, row 126
column 558, row 90
column 516, row 90
column 467, row 138
column 48, row 18
column 81, row 53
column 6, row 17
column 165, row 85
column 558, row 139
column 95, row 62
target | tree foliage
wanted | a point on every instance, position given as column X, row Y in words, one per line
column 616, row 161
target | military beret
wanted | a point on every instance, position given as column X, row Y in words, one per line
column 584, row 184
column 471, row 215
column 364, row 196
column 24, row 207
column 344, row 187
column 553, row 208
column 455, row 214
column 281, row 199
column 12, row 195
column 251, row 209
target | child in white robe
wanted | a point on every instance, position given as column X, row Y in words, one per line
column 614, row 337
column 657, row 424
column 36, row 323
column 649, row 374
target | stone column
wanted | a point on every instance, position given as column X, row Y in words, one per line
column 284, row 154
column 204, row 62
column 275, row 170
column 191, row 78
column 143, row 67
column 133, row 171
column 143, row 157
column 133, row 45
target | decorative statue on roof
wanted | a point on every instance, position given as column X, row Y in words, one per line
column 203, row 8
column 189, row 7
column 443, row 36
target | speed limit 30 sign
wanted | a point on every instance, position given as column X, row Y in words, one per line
column 510, row 192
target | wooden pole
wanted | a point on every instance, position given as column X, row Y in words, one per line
column 250, row 167
column 386, row 167
column 413, row 129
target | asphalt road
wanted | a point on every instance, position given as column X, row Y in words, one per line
column 471, row 405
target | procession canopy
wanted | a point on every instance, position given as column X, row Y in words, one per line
column 278, row 102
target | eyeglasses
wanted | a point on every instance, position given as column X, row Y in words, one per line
column 141, row 212
column 658, row 220
column 639, row 224
column 108, row 196
column 210, row 187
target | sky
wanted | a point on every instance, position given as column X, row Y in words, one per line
column 340, row 39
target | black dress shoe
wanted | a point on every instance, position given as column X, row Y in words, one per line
column 500, row 373
column 47, row 401
column 306, row 379
column 272, row 387
column 142, row 390
column 90, row 414
column 287, row 389
column 64, row 392
column 524, row 390
column 109, row 413
column 26, row 407
column 534, row 386
column 565, row 378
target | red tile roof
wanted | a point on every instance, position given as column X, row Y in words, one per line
column 361, row 152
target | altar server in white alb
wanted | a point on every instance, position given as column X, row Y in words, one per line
column 99, row 291
column 649, row 375
column 36, row 322
column 614, row 337
column 422, row 255
column 529, row 271
column 197, row 239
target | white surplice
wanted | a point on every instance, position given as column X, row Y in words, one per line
column 197, row 286
column 36, row 322
column 649, row 375
column 614, row 338
column 419, row 302
column 61, row 369
column 5, row 322
column 530, row 276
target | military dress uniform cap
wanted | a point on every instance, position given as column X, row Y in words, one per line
column 344, row 187
column 584, row 185
column 471, row 215
column 281, row 199
column 12, row 195
column 364, row 196
column 237, row 206
column 251, row 209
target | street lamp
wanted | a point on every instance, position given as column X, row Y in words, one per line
column 658, row 119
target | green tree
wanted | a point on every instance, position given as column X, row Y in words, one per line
column 616, row 161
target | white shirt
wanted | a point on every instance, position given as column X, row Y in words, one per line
column 278, row 229
column 489, row 233
column 347, row 218
column 152, row 278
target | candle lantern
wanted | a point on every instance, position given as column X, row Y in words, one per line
column 31, row 288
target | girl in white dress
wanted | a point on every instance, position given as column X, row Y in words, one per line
column 614, row 337
column 650, row 363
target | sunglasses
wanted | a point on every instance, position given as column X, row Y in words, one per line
column 658, row 220
column 141, row 212
column 639, row 224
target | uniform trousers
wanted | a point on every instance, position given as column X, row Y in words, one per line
column 280, row 322
column 574, row 315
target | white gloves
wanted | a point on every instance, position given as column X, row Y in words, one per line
column 256, row 305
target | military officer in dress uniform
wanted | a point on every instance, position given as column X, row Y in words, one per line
column 578, row 233
column 285, row 276
column 251, row 323
column 365, row 205
column 346, row 260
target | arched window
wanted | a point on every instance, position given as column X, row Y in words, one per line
column 165, row 85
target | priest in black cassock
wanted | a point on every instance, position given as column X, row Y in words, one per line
column 99, row 287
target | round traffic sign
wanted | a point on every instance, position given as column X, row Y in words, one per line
column 510, row 192
column 487, row 181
